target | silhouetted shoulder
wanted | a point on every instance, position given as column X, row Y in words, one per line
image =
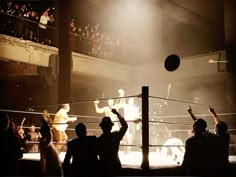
column 189, row 140
column 83, row 141
column 91, row 137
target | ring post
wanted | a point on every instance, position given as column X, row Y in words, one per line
column 145, row 127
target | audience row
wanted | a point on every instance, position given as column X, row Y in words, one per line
column 205, row 154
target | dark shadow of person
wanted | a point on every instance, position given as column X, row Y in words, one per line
column 49, row 159
column 108, row 145
column 10, row 149
column 83, row 152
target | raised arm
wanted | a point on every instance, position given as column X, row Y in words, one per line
column 46, row 11
column 216, row 117
column 124, row 125
column 98, row 110
column 191, row 113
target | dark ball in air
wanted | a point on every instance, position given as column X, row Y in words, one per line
column 172, row 62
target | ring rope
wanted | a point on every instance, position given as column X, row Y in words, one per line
column 86, row 101
column 84, row 116
column 171, row 130
column 181, row 101
column 163, row 122
column 94, row 122
column 132, row 145
column 173, row 123
column 158, row 122
column 71, row 129
column 159, row 145
column 98, row 130
column 40, row 113
column 198, row 115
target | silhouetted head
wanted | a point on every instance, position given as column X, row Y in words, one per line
column 66, row 107
column 80, row 130
column 4, row 120
column 106, row 124
column 45, row 113
column 44, row 129
column 221, row 128
column 199, row 126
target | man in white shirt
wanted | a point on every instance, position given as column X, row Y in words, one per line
column 43, row 21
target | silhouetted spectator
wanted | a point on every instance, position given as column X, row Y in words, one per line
column 31, row 24
column 10, row 150
column 80, row 40
column 20, row 22
column 83, row 151
column 8, row 9
column 108, row 145
column 221, row 146
column 7, row 20
column 197, row 158
column 72, row 29
column 46, row 117
column 49, row 160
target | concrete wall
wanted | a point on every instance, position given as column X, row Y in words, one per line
column 33, row 53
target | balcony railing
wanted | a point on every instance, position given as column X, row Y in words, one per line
column 26, row 29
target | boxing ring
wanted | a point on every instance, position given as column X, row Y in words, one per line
column 159, row 139
column 132, row 160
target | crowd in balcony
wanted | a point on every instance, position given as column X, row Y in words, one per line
column 29, row 22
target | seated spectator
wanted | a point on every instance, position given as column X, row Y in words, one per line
column 108, row 145
column 33, row 137
column 83, row 152
column 10, row 151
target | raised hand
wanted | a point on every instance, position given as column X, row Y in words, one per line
column 211, row 110
column 216, row 117
column 96, row 102
column 189, row 109
column 114, row 111
column 191, row 113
